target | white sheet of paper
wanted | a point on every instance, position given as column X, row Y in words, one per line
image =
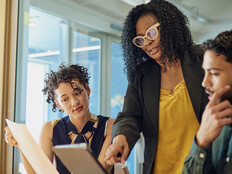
column 32, row 151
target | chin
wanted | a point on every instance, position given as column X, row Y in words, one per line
column 155, row 57
column 227, row 96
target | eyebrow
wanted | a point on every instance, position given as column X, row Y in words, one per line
column 212, row 69
column 63, row 95
column 140, row 34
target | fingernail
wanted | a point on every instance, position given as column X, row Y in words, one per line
column 227, row 86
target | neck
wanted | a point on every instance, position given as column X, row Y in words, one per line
column 79, row 123
column 170, row 67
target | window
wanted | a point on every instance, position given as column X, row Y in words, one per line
column 43, row 49
column 118, row 90
column 87, row 52
column 45, row 40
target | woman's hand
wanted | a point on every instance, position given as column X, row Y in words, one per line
column 9, row 137
column 118, row 151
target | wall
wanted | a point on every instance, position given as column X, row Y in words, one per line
column 8, row 38
column 2, row 52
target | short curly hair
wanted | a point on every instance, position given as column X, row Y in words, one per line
column 175, row 35
column 66, row 74
column 221, row 44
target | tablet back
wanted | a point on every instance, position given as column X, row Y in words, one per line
column 78, row 159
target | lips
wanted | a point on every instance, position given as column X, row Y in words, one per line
column 153, row 50
column 210, row 97
column 209, row 92
column 78, row 109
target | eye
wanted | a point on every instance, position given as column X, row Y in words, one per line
column 214, row 73
column 64, row 100
column 78, row 92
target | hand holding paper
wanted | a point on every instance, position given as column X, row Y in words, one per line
column 32, row 151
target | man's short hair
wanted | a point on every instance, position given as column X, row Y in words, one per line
column 221, row 44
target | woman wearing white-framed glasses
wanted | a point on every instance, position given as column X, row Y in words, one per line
column 164, row 98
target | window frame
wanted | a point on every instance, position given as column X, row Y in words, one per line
column 9, row 14
column 105, row 77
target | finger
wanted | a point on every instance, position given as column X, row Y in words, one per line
column 225, row 121
column 113, row 152
column 110, row 153
column 225, row 113
column 8, row 132
column 10, row 141
column 125, row 154
column 217, row 95
column 112, row 161
column 225, row 105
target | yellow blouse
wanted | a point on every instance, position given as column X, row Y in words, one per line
column 178, row 125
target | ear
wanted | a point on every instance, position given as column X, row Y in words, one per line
column 58, row 105
column 88, row 89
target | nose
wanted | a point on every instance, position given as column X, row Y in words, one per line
column 148, row 41
column 75, row 101
column 206, row 81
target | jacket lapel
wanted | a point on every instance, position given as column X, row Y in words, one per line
column 151, row 91
column 193, row 76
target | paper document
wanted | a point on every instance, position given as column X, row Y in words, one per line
column 32, row 151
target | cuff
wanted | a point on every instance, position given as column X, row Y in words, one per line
column 200, row 154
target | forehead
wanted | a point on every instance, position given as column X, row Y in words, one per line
column 212, row 60
column 144, row 22
column 65, row 88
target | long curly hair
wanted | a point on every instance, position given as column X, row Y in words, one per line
column 222, row 44
column 65, row 74
column 175, row 35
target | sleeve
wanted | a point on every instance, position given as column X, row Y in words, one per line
column 128, row 122
column 199, row 160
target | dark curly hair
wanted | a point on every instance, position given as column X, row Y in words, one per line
column 175, row 35
column 221, row 44
column 66, row 74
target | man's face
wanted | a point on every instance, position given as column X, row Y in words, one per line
column 218, row 73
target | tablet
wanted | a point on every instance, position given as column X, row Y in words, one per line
column 78, row 159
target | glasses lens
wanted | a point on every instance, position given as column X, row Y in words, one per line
column 139, row 41
column 152, row 34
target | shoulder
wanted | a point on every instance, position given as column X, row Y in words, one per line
column 47, row 126
column 46, row 132
column 196, row 53
column 109, row 121
column 146, row 68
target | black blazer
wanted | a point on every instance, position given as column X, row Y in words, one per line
column 141, row 105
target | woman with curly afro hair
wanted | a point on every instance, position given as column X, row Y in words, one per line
column 68, row 90
column 164, row 98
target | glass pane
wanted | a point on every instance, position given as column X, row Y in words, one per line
column 45, row 49
column 118, row 90
column 87, row 52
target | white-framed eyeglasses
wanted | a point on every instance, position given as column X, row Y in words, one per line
column 151, row 33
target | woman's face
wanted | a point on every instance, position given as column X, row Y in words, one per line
column 152, row 47
column 73, row 99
